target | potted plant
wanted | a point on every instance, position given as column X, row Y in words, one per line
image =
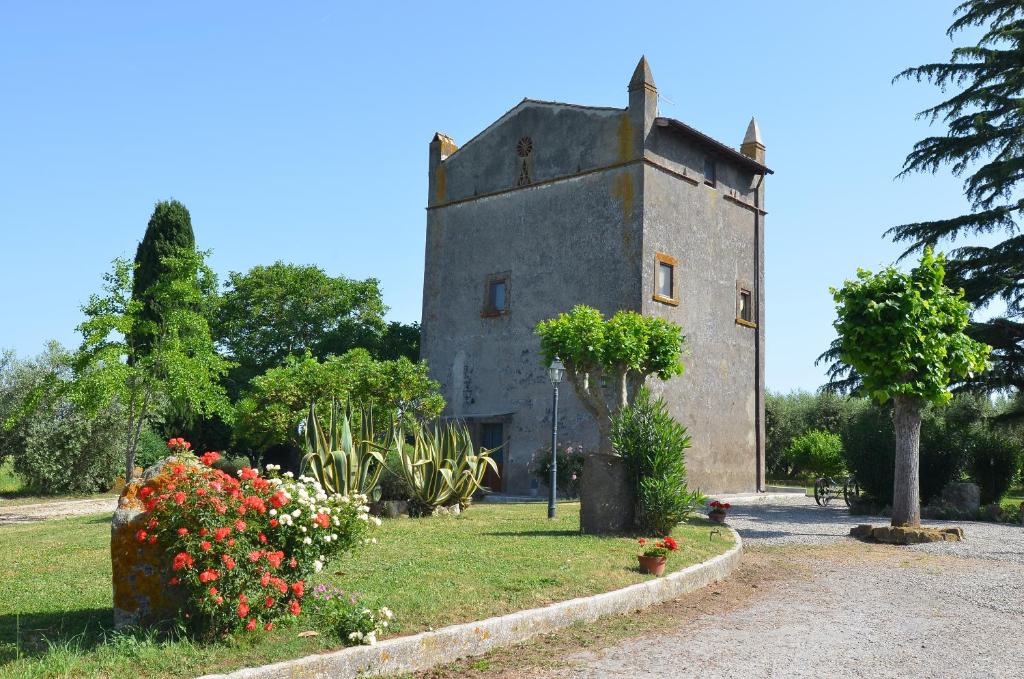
column 718, row 511
column 653, row 558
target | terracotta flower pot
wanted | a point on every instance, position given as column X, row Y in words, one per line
column 717, row 517
column 655, row 565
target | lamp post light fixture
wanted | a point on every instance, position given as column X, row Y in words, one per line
column 555, row 372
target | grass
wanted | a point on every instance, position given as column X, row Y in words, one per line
column 1013, row 499
column 433, row 572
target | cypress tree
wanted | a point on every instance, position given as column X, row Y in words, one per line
column 984, row 143
column 169, row 232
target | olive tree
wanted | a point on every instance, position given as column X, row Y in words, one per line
column 904, row 334
column 607, row 361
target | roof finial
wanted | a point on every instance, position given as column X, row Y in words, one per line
column 642, row 76
column 753, row 133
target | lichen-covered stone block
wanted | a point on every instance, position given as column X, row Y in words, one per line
column 142, row 596
column 606, row 496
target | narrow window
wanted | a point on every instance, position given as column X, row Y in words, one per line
column 744, row 306
column 496, row 295
column 710, row 175
column 665, row 279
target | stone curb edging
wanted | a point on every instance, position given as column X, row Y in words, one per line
column 429, row 649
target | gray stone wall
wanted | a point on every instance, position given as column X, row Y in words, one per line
column 576, row 241
column 713, row 241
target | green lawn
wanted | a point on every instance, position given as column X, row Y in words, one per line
column 433, row 572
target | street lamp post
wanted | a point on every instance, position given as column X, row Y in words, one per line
column 555, row 372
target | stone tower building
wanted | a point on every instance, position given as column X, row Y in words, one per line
column 557, row 204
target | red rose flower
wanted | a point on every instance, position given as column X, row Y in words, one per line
column 152, row 539
column 278, row 499
column 268, row 602
column 294, row 608
column 269, row 626
column 251, row 625
column 141, row 535
column 240, row 525
column 174, row 580
column 221, row 533
column 183, row 531
column 182, row 560
column 323, row 520
column 298, row 588
column 275, row 558
column 145, row 492
column 209, row 575
column 229, row 563
column 243, row 610
column 209, row 458
column 263, row 538
column 179, row 498
column 265, row 578
column 205, row 545
column 203, row 532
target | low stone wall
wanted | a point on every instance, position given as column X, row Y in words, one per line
column 429, row 649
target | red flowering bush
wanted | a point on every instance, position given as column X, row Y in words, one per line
column 719, row 507
column 662, row 547
column 240, row 549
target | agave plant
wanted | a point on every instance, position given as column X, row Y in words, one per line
column 442, row 466
column 343, row 463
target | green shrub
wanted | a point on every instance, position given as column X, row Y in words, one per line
column 569, row 472
column 151, row 449
column 995, row 457
column 393, row 485
column 869, row 446
column 653, row 446
column 819, row 453
column 68, row 452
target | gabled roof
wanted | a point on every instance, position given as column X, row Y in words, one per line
column 718, row 147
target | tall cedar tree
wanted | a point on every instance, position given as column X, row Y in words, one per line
column 985, row 143
column 168, row 234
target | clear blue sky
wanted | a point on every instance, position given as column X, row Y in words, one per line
column 299, row 131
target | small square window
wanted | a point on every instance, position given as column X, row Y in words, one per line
column 745, row 306
column 665, row 278
column 496, row 295
column 710, row 173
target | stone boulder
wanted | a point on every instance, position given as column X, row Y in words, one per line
column 963, row 497
column 142, row 597
column 607, row 504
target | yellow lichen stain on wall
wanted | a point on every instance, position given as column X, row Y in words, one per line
column 625, row 138
column 622, row 188
column 440, row 190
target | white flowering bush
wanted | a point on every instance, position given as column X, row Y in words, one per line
column 344, row 615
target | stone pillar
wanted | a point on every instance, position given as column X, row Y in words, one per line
column 606, row 496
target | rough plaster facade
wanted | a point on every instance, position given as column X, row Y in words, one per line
column 570, row 205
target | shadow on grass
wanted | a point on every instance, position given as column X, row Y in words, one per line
column 32, row 634
column 545, row 532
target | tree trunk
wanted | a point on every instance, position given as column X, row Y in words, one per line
column 906, row 495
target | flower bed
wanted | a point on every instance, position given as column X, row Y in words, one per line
column 235, row 553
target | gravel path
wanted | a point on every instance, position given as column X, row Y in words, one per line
column 940, row 610
column 55, row 510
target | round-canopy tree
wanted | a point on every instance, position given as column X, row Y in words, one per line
column 903, row 333
column 607, row 361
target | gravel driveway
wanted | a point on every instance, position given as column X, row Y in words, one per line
column 55, row 510
column 939, row 610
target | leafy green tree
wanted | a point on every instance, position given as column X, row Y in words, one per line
column 607, row 361
column 903, row 334
column 177, row 362
column 272, row 312
column 399, row 339
column 26, row 385
column 984, row 143
column 276, row 401
column 818, row 452
column 168, row 234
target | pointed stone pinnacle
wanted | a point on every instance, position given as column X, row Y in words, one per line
column 642, row 75
column 753, row 133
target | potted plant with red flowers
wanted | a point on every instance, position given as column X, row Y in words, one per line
column 718, row 511
column 654, row 557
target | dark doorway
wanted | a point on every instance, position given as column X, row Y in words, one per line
column 492, row 435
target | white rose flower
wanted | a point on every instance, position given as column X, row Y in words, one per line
column 307, row 541
column 273, row 512
column 297, row 513
column 318, row 566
